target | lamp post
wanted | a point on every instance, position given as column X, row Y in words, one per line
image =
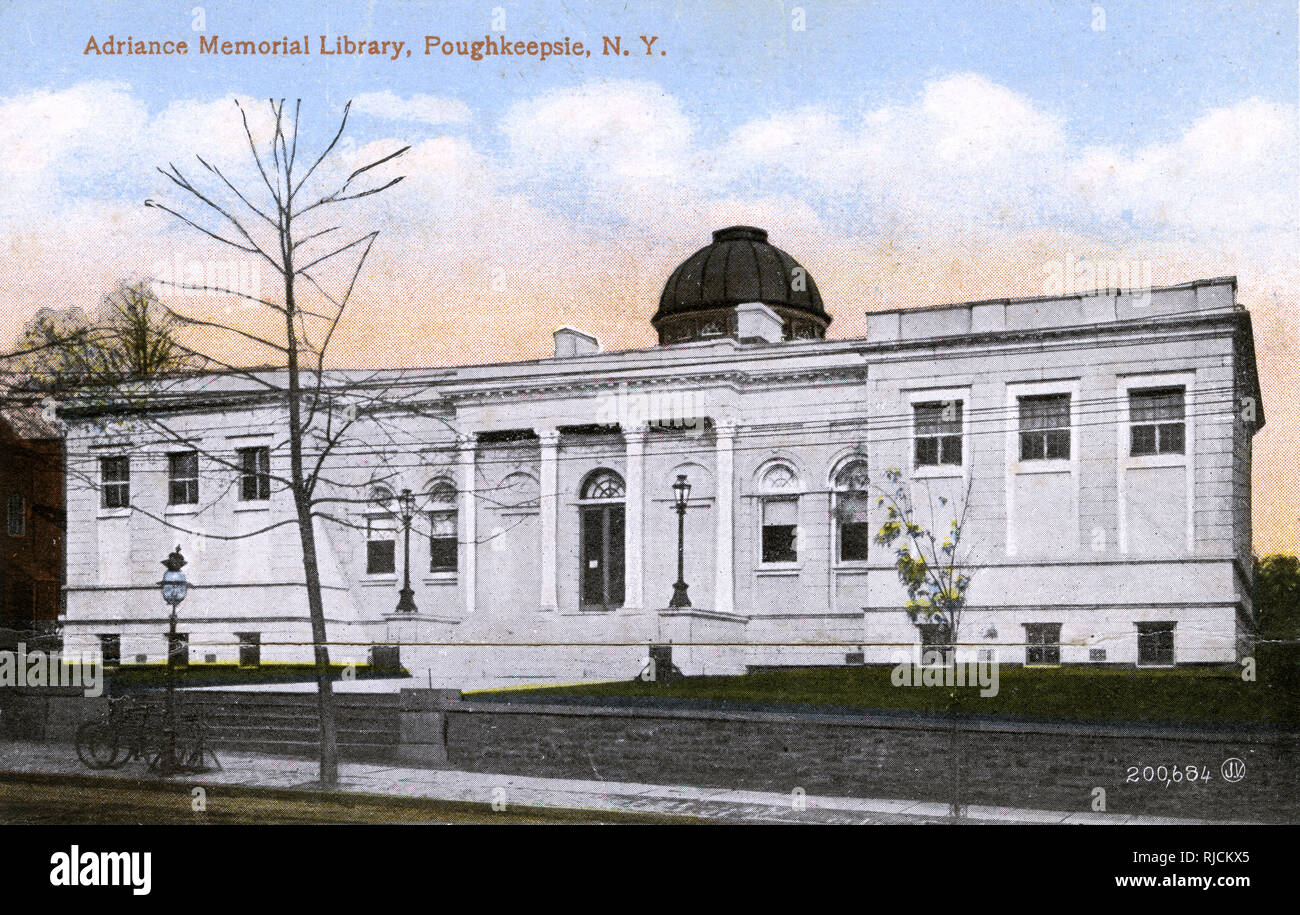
column 174, row 588
column 406, row 509
column 681, row 495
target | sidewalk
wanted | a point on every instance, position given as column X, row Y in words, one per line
column 715, row 804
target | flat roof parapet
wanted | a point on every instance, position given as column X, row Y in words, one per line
column 1042, row 312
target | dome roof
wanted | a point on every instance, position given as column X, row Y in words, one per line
column 740, row 266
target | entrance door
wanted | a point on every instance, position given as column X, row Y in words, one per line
column 602, row 557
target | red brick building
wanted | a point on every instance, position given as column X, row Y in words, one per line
column 31, row 499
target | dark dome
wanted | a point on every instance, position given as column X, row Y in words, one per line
column 740, row 266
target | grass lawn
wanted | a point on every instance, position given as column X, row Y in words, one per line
column 1070, row 694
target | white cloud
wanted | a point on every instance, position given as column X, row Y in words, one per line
column 966, row 150
column 56, row 139
column 425, row 109
column 1232, row 171
column 612, row 132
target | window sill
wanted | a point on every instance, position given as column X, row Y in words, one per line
column 778, row 570
column 181, row 510
column 260, row 505
column 377, row 581
column 938, row 472
column 1051, row 465
column 852, row 565
column 114, row 513
column 1154, row 460
column 440, row 578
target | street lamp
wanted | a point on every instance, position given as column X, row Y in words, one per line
column 406, row 509
column 681, row 495
column 174, row 588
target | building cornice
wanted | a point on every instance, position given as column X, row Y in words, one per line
column 605, row 373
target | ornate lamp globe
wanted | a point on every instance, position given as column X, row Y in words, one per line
column 174, row 585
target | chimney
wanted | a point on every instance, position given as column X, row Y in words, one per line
column 756, row 323
column 572, row 342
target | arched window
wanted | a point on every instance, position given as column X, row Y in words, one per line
column 601, row 529
column 852, row 528
column 779, row 511
column 603, row 484
column 443, row 543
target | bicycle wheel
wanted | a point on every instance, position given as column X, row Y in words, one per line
column 97, row 745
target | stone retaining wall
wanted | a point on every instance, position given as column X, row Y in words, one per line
column 1037, row 765
column 1023, row 765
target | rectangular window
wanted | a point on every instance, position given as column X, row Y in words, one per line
column 936, row 645
column 110, row 650
column 1043, row 644
column 254, row 474
column 1045, row 427
column 17, row 515
column 1156, row 418
column 250, row 648
column 1155, row 644
column 855, row 532
column 937, row 433
column 780, row 521
column 115, row 482
column 183, row 478
column 381, row 555
column 442, row 541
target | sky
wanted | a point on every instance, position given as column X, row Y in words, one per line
column 907, row 153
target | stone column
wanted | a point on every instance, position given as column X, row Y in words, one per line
column 548, row 498
column 467, row 444
column 723, row 582
column 634, row 521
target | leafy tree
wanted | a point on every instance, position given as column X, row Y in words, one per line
column 1277, row 607
column 936, row 571
column 131, row 337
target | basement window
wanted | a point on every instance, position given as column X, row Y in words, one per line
column 1043, row 644
column 1156, row 644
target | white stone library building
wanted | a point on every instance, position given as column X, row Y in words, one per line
column 1100, row 445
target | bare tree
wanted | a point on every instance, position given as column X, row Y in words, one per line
column 285, row 222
